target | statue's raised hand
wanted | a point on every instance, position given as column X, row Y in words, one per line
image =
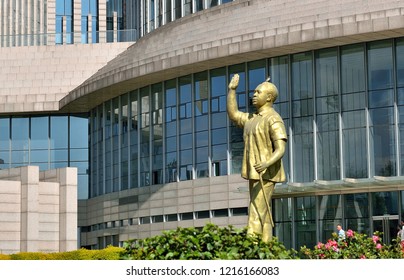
column 234, row 81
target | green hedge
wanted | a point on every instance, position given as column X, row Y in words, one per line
column 109, row 253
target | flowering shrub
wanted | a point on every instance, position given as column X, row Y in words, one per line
column 355, row 246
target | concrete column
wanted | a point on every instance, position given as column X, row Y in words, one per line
column 77, row 21
column 51, row 20
column 102, row 20
column 64, row 33
column 67, row 178
column 90, row 30
column 115, row 26
column 42, row 15
column 29, row 208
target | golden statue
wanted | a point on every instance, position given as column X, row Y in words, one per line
column 264, row 146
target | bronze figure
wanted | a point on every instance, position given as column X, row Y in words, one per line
column 264, row 146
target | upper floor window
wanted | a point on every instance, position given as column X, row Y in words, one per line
column 64, row 22
column 89, row 21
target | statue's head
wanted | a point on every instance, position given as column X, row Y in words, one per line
column 270, row 89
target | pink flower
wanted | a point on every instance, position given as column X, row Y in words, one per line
column 349, row 233
column 363, row 257
column 378, row 246
column 375, row 238
column 319, row 245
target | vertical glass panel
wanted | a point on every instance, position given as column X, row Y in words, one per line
column 177, row 9
column 401, row 131
column 168, row 10
column 384, row 203
column 19, row 133
column 39, row 133
column 201, row 124
column 353, row 69
column 78, row 131
column 236, row 133
column 256, row 75
column 159, row 13
column 134, row 134
column 400, row 62
column 157, row 140
column 353, row 111
column 355, row 147
column 382, row 141
column 4, row 134
column 357, row 212
column 327, row 74
column 380, row 65
column 151, row 15
column 171, row 131
column 58, row 133
column 302, row 113
column 124, row 150
column 145, row 137
column 100, row 149
column 218, row 121
column 187, row 7
column 327, row 102
column 199, row 5
column 305, row 221
column 283, row 220
column 279, row 73
column 185, row 128
column 108, row 146
column 115, row 143
column 302, row 77
column 212, row 3
column 330, row 214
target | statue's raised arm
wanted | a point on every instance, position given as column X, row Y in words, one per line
column 232, row 107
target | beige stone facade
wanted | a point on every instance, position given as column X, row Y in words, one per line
column 38, row 210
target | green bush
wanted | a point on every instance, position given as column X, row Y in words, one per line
column 109, row 253
column 209, row 243
column 355, row 246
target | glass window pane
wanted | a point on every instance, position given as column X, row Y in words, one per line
column 400, row 62
column 326, row 72
column 4, row 134
column 380, row 65
column 58, row 132
column 352, row 68
column 382, row 142
column 305, row 221
column 19, row 133
column 39, row 133
column 384, row 203
column 39, row 156
column 355, row 144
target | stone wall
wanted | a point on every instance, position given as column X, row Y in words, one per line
column 38, row 210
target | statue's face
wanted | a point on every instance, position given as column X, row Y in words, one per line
column 261, row 96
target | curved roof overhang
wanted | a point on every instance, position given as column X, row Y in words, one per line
column 196, row 43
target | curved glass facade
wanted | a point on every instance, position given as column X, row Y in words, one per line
column 343, row 108
column 48, row 142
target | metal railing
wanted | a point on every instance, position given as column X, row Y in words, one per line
column 109, row 36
